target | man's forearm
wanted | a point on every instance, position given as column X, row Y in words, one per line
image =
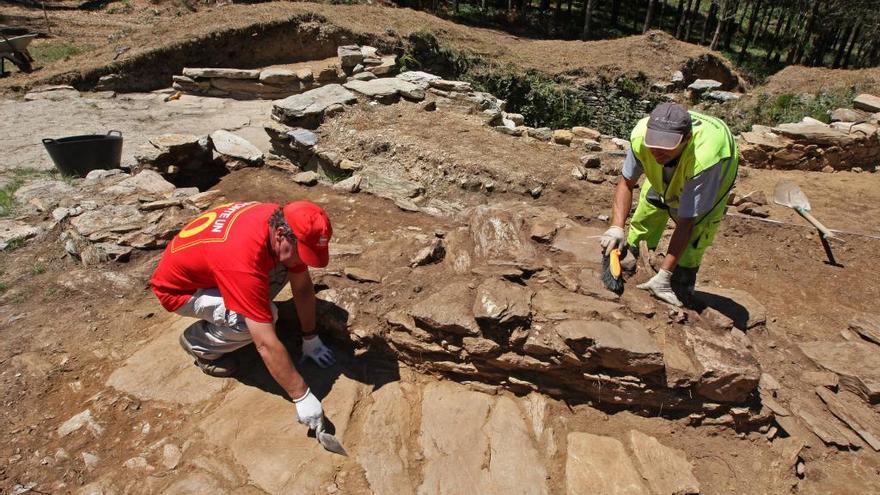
column 277, row 359
column 678, row 243
column 305, row 301
column 623, row 194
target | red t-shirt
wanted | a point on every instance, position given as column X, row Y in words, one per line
column 227, row 248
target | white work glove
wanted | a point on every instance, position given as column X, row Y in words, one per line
column 319, row 353
column 309, row 411
column 613, row 238
column 660, row 287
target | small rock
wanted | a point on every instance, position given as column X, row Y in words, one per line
column 562, row 137
column 306, row 178
column 857, row 170
column 429, row 254
column 305, row 75
column 429, row 106
column 828, row 169
column 540, row 133
column 595, row 176
column 302, row 139
column 825, row 379
column 361, row 275
column 90, row 460
column 579, row 172
column 701, row 85
column 278, row 77
column 591, row 161
column 349, row 56
column 136, row 463
column 585, row 133
column 622, row 144
column 229, row 144
column 754, row 210
column 364, row 76
column 171, row 456
column 349, row 185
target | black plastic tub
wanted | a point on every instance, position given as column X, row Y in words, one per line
column 79, row 155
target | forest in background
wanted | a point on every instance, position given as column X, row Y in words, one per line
column 760, row 36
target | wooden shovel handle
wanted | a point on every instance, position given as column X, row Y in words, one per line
column 825, row 232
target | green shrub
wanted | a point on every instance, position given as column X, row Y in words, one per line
column 45, row 53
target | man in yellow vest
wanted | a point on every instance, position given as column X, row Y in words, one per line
column 690, row 163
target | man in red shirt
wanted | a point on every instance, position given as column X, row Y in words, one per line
column 226, row 266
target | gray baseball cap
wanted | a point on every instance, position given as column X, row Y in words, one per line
column 668, row 124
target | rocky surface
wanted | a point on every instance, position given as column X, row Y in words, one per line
column 813, row 145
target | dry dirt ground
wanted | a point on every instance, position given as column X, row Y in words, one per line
column 75, row 339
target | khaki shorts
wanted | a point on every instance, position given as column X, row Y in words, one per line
column 220, row 330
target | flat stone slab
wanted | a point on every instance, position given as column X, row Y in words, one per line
column 385, row 88
column 275, row 450
column 161, row 370
column 666, row 470
column 813, row 133
column 582, row 242
column 229, row 144
column 628, row 347
column 384, row 451
column 857, row 364
column 11, row 231
column 147, row 181
column 599, row 465
column 866, row 102
column 419, row 78
column 473, row 443
column 213, row 72
column 701, row 85
column 307, row 109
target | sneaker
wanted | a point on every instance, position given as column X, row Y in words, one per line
column 222, row 367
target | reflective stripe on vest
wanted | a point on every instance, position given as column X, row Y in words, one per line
column 711, row 142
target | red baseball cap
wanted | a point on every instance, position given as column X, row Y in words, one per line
column 311, row 226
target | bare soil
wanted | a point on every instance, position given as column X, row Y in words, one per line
column 796, row 79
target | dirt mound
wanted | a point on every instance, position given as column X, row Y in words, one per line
column 156, row 50
column 797, row 79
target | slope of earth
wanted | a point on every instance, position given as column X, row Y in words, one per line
column 380, row 25
column 796, row 79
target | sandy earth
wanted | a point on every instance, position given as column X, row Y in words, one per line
column 78, row 339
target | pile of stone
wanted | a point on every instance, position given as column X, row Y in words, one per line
column 850, row 142
column 271, row 83
column 710, row 89
column 524, row 308
column 109, row 214
column 356, row 60
column 362, row 63
column 754, row 204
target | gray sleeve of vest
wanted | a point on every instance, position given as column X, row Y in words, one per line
column 632, row 167
column 700, row 193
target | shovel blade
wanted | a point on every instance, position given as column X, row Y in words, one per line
column 330, row 443
column 787, row 193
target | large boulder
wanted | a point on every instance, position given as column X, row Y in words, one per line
column 307, row 109
column 448, row 310
column 728, row 372
column 236, row 147
column 627, row 347
column 502, row 303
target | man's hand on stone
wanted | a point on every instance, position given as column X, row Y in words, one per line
column 660, row 286
column 308, row 410
column 319, row 353
column 613, row 238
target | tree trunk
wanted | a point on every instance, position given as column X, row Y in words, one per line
column 615, row 12
column 713, row 8
column 588, row 18
column 679, row 31
column 776, row 40
column 842, row 42
column 751, row 31
column 852, row 41
column 661, row 15
column 722, row 12
column 801, row 46
column 648, row 15
column 694, row 13
column 732, row 27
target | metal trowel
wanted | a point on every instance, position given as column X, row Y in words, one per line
column 329, row 441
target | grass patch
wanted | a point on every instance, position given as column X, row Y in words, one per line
column 3, row 287
column 38, row 268
column 19, row 177
column 771, row 110
column 46, row 53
